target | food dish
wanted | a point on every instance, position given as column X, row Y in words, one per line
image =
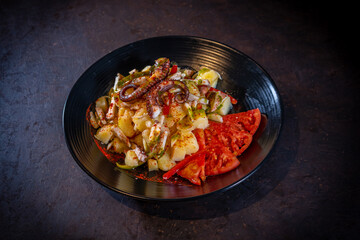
column 171, row 119
column 242, row 77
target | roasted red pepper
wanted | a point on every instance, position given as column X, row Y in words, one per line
column 173, row 69
column 166, row 110
column 182, row 164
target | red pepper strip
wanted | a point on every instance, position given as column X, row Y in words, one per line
column 181, row 164
column 186, row 160
column 233, row 100
column 166, row 110
column 166, row 107
column 173, row 69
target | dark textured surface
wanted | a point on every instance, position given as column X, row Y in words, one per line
column 308, row 189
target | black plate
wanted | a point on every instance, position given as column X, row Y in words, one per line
column 242, row 76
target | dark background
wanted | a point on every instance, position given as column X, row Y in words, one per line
column 307, row 189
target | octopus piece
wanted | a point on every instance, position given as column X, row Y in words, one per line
column 100, row 112
column 159, row 148
column 204, row 89
column 155, row 98
column 118, row 133
column 162, row 66
column 93, row 121
column 112, row 109
column 141, row 155
column 140, row 80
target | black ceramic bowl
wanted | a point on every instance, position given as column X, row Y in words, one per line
column 242, row 77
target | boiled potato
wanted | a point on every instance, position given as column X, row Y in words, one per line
column 200, row 119
column 185, row 145
column 131, row 159
column 185, row 124
column 104, row 134
column 165, row 162
column 125, row 123
column 138, row 140
column 117, row 146
column 209, row 74
column 215, row 117
column 176, row 114
column 153, row 165
column 224, row 107
column 102, row 103
column 140, row 118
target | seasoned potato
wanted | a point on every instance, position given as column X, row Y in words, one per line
column 185, row 124
column 185, row 145
column 102, row 103
column 131, row 159
column 117, row 146
column 224, row 107
column 200, row 119
column 209, row 74
column 165, row 162
column 153, row 165
column 104, row 134
column 140, row 122
column 138, row 140
column 215, row 117
column 125, row 123
column 176, row 114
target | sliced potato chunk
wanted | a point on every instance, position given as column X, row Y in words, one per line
column 153, row 165
column 209, row 74
column 138, row 140
column 125, row 123
column 116, row 145
column 185, row 145
column 200, row 119
column 185, row 124
column 176, row 113
column 215, row 117
column 165, row 162
column 140, row 118
column 224, row 107
column 104, row 134
column 102, row 103
column 131, row 159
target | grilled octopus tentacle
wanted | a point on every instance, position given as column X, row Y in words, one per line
column 162, row 66
column 154, row 99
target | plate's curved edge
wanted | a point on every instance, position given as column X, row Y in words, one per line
column 144, row 198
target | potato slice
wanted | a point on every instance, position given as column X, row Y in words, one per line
column 185, row 145
column 224, row 107
column 176, row 113
column 200, row 119
column 140, row 118
column 104, row 134
column 116, row 145
column 131, row 159
column 138, row 140
column 215, row 117
column 153, row 165
column 209, row 74
column 165, row 162
column 102, row 103
column 125, row 123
